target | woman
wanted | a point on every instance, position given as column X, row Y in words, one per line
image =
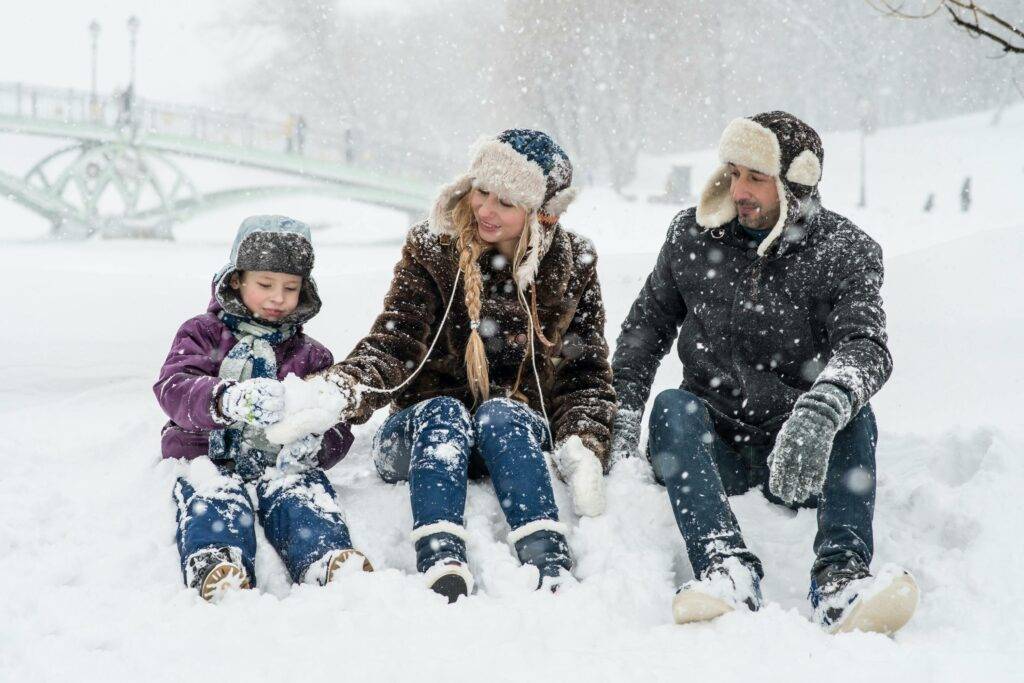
column 490, row 349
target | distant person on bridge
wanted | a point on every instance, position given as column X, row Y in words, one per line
column 220, row 387
column 775, row 302
column 490, row 350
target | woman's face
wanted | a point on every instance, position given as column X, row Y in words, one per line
column 498, row 221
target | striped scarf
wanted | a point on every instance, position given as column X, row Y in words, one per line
column 251, row 356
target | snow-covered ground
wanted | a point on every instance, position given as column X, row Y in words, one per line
column 89, row 582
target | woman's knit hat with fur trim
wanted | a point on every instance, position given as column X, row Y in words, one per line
column 523, row 166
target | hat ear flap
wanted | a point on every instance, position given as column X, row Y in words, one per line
column 715, row 207
column 560, row 201
column 527, row 271
column 447, row 198
column 805, row 169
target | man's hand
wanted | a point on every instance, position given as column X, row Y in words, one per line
column 799, row 461
column 625, row 435
column 258, row 402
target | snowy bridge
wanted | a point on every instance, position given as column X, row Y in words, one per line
column 119, row 175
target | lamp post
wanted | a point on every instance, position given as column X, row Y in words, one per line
column 866, row 111
column 133, row 30
column 94, row 35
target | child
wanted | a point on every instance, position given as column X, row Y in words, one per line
column 220, row 387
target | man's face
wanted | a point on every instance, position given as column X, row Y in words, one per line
column 756, row 197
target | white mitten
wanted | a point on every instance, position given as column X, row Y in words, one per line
column 299, row 456
column 311, row 406
column 582, row 471
column 258, row 402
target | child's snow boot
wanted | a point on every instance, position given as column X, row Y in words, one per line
column 727, row 585
column 450, row 578
column 546, row 549
column 847, row 598
column 323, row 571
column 441, row 557
column 214, row 571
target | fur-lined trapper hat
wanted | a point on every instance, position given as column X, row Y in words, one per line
column 774, row 143
column 525, row 167
column 271, row 243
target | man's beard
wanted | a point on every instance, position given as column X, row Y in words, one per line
column 761, row 220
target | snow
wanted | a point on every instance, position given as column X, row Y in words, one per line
column 310, row 407
column 90, row 585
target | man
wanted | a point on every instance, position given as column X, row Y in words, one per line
column 782, row 338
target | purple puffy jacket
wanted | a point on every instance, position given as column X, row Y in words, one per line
column 188, row 385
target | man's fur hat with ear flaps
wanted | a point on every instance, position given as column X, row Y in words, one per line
column 525, row 167
column 774, row 143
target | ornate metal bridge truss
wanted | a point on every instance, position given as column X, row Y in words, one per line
column 121, row 177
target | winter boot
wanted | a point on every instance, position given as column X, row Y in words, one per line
column 214, row 571
column 728, row 584
column 441, row 558
column 847, row 598
column 322, row 571
column 543, row 545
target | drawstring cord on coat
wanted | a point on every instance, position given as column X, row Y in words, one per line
column 533, row 357
column 430, row 350
column 534, row 333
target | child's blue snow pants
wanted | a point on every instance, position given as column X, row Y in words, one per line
column 299, row 514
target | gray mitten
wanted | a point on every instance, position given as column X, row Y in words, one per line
column 799, row 461
column 258, row 402
column 625, row 434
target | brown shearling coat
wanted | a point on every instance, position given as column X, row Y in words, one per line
column 575, row 372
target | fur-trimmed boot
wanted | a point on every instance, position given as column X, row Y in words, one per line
column 323, row 571
column 214, row 571
column 542, row 544
column 441, row 558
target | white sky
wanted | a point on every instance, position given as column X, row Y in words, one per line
column 46, row 42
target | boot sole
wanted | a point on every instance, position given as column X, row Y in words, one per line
column 451, row 586
column 222, row 578
column 885, row 612
column 691, row 606
column 344, row 557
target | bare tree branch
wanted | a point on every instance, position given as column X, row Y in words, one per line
column 977, row 21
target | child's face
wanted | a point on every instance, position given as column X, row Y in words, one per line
column 268, row 295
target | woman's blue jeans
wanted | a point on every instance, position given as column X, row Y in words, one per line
column 437, row 445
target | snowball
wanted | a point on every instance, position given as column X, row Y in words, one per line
column 311, row 406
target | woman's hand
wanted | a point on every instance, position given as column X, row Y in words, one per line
column 311, row 406
column 582, row 471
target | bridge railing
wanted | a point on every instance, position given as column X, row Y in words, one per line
column 123, row 111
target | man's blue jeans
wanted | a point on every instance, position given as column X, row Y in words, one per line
column 700, row 471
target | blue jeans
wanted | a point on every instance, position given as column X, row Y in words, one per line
column 299, row 515
column 700, row 470
column 437, row 445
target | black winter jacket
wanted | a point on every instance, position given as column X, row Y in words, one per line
column 755, row 332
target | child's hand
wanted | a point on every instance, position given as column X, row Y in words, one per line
column 257, row 402
column 301, row 455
